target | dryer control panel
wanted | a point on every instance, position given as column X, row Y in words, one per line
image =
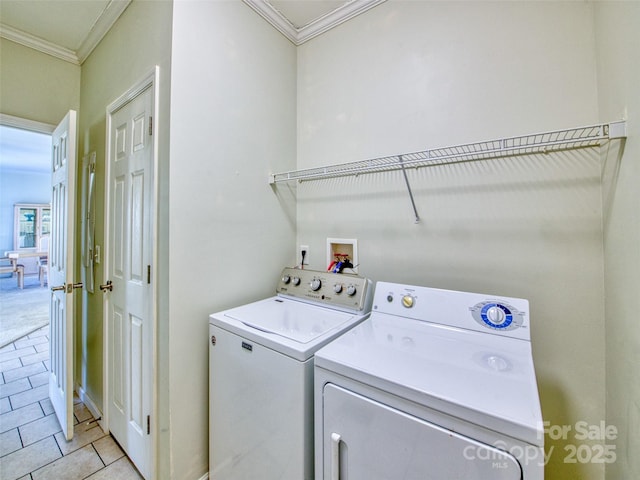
column 337, row 290
column 505, row 316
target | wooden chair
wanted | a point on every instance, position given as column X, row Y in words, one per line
column 13, row 268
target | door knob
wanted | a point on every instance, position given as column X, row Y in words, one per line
column 59, row 288
column 108, row 286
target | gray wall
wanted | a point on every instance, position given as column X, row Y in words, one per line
column 139, row 40
column 37, row 86
column 232, row 123
column 618, row 38
column 407, row 76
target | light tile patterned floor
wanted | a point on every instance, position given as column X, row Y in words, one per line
column 32, row 446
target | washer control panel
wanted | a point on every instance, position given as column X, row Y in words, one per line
column 339, row 290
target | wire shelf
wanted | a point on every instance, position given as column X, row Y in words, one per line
column 546, row 142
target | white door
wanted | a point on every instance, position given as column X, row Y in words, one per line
column 61, row 249
column 367, row 440
column 129, row 302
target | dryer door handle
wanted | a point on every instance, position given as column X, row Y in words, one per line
column 335, row 456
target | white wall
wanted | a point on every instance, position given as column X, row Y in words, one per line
column 407, row 76
column 232, row 123
column 618, row 38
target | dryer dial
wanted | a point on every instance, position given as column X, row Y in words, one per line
column 497, row 315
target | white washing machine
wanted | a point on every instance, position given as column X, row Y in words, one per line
column 261, row 373
column 435, row 385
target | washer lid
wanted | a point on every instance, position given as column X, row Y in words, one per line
column 297, row 321
column 485, row 379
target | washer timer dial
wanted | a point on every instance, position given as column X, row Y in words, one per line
column 315, row 284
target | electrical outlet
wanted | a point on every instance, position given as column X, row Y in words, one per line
column 306, row 256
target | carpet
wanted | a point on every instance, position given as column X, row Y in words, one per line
column 22, row 311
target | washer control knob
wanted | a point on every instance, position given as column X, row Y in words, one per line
column 315, row 284
column 296, row 281
column 286, row 279
column 337, row 288
column 496, row 315
column 351, row 290
column 408, row 301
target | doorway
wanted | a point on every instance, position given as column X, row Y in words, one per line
column 25, row 197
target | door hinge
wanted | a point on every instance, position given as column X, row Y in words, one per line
column 148, row 273
column 148, row 424
column 150, row 125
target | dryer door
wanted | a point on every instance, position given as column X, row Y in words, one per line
column 366, row 440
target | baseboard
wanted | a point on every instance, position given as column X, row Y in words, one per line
column 90, row 404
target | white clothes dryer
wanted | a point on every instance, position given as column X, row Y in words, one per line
column 261, row 373
column 435, row 385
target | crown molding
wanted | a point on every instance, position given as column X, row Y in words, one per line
column 99, row 29
column 103, row 24
column 300, row 35
column 275, row 18
column 39, row 44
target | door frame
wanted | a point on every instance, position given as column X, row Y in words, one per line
column 26, row 124
column 150, row 81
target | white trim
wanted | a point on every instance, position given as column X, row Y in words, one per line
column 103, row 24
column 98, row 30
column 275, row 18
column 133, row 92
column 39, row 44
column 335, row 18
column 150, row 81
column 25, row 124
column 91, row 406
column 317, row 27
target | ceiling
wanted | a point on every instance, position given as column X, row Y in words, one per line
column 67, row 29
column 71, row 29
